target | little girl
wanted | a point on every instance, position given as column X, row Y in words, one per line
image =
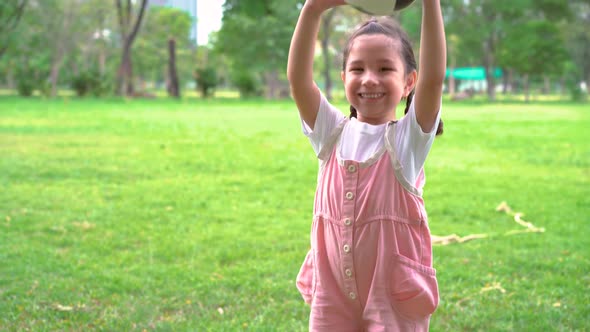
column 370, row 263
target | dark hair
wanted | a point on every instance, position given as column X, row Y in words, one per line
column 390, row 28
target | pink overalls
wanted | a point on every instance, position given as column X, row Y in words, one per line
column 370, row 263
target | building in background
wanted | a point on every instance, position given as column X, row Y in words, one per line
column 189, row 6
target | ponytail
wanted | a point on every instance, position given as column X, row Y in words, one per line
column 439, row 129
column 352, row 112
column 409, row 101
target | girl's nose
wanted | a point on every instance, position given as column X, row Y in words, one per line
column 370, row 78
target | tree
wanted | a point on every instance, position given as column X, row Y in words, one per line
column 10, row 15
column 577, row 37
column 206, row 79
column 172, row 86
column 255, row 36
column 66, row 36
column 538, row 50
column 45, row 37
column 479, row 25
column 326, row 30
column 55, row 33
column 98, row 21
column 151, row 55
column 482, row 25
column 128, row 31
column 335, row 27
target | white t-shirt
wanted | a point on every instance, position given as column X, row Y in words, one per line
column 361, row 140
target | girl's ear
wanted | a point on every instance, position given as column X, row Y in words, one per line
column 342, row 75
column 410, row 82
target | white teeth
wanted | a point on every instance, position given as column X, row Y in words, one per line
column 372, row 95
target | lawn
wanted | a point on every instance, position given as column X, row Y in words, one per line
column 195, row 215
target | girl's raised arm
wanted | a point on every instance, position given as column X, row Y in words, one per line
column 301, row 54
column 432, row 65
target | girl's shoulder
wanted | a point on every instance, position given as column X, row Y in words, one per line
column 329, row 120
column 411, row 146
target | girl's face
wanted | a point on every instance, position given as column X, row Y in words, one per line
column 375, row 80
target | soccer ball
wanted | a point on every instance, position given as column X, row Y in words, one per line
column 379, row 7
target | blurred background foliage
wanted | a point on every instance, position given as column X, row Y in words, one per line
column 540, row 46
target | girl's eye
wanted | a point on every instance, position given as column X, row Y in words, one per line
column 386, row 69
column 356, row 69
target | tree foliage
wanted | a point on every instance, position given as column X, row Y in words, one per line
column 151, row 48
column 256, row 34
column 51, row 43
column 206, row 79
column 10, row 15
column 577, row 36
column 483, row 30
column 538, row 50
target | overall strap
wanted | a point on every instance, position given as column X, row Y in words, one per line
column 397, row 166
column 327, row 149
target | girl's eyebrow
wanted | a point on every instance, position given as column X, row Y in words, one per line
column 380, row 61
column 386, row 61
column 356, row 62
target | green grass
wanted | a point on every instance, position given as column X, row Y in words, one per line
column 195, row 215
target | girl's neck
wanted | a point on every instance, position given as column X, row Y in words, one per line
column 376, row 121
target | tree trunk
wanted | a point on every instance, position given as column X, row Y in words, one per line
column 100, row 42
column 325, row 43
column 452, row 84
column 173, row 90
column 546, row 85
column 54, row 76
column 452, row 81
column 510, row 80
column 452, row 57
column 506, row 82
column 11, row 21
column 60, row 48
column 56, row 63
column 562, row 86
column 125, row 72
column 75, row 69
column 272, row 84
column 527, row 91
column 10, row 78
column 489, row 63
column 102, row 61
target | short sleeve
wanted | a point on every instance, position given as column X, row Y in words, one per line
column 328, row 118
column 412, row 144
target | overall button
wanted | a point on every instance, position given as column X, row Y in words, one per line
column 351, row 168
column 349, row 195
column 346, row 248
column 352, row 295
column 348, row 272
column 347, row 221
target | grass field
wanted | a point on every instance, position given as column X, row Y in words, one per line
column 195, row 216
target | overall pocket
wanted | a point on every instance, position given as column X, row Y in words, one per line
column 413, row 288
column 306, row 279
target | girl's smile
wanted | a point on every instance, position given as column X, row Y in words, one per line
column 374, row 78
column 371, row 95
